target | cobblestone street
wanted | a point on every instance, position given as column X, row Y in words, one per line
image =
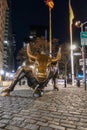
column 65, row 109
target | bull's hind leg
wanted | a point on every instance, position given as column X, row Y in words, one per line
column 14, row 82
column 54, row 85
column 54, row 81
column 38, row 92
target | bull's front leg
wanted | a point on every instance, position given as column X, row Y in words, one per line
column 34, row 84
column 54, row 81
column 44, row 83
column 14, row 82
column 54, row 85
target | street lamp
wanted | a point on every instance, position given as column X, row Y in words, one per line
column 81, row 25
column 73, row 47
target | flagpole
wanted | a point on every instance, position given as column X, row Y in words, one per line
column 50, row 4
column 50, row 33
column 72, row 57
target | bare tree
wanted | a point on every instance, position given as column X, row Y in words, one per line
column 65, row 60
column 38, row 46
column 22, row 56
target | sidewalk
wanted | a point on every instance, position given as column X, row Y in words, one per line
column 65, row 109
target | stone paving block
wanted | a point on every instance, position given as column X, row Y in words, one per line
column 71, row 129
column 57, row 127
column 5, row 121
column 74, row 113
column 6, row 117
column 35, row 115
column 54, row 122
column 18, row 118
column 73, row 118
column 32, row 126
column 3, row 129
column 45, row 128
column 81, row 128
column 47, row 118
column 41, row 123
column 68, row 125
column 67, row 122
column 82, row 124
column 39, row 119
column 30, row 121
column 46, row 111
column 57, row 113
column 83, row 120
column 15, row 123
column 67, row 114
column 14, row 128
column 65, row 109
column 2, row 125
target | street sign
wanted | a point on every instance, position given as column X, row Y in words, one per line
column 81, row 62
column 83, row 41
column 77, row 54
column 83, row 36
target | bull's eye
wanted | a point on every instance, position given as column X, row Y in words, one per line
column 36, row 63
column 47, row 70
column 36, row 70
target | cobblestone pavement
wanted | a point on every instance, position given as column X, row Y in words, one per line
column 65, row 109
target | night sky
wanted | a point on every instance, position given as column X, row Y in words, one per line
column 35, row 12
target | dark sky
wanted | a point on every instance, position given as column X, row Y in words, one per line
column 35, row 12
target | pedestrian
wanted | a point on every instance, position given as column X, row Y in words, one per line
column 65, row 82
column 23, row 83
column 78, row 83
column 20, row 82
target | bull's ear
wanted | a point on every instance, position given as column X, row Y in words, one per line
column 29, row 53
column 49, row 61
column 58, row 57
column 59, row 53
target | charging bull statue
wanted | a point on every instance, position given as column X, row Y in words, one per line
column 38, row 77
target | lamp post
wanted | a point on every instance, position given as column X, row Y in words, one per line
column 72, row 62
column 72, row 58
column 50, row 32
column 81, row 25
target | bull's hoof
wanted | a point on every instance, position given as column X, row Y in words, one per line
column 38, row 93
column 5, row 94
column 56, row 89
column 7, row 90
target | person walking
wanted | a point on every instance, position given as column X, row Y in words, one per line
column 64, row 82
column 78, row 83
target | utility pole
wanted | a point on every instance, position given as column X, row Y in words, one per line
column 80, row 25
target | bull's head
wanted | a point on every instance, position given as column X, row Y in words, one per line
column 42, row 63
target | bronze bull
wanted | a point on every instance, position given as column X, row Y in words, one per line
column 39, row 76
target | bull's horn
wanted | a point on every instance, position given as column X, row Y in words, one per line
column 58, row 56
column 29, row 53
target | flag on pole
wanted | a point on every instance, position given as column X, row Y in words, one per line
column 50, row 3
column 71, row 14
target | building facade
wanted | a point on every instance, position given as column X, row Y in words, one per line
column 7, row 39
column 9, row 44
column 3, row 7
column 38, row 31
